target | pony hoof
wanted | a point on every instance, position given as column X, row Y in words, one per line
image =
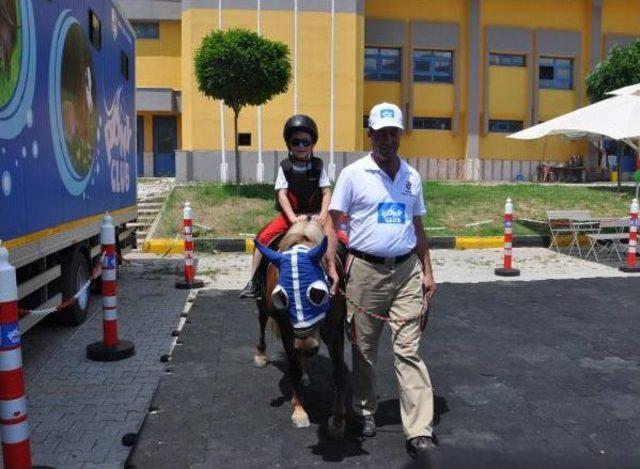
column 335, row 431
column 300, row 419
column 305, row 380
column 301, row 422
column 259, row 361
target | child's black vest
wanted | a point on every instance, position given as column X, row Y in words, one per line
column 304, row 191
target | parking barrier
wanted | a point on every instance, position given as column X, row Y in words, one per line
column 189, row 269
column 111, row 348
column 16, row 448
column 507, row 270
column 631, row 265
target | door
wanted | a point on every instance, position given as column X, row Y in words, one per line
column 165, row 142
column 140, row 144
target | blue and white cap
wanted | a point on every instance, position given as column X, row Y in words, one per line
column 385, row 115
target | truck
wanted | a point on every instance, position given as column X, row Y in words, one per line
column 67, row 145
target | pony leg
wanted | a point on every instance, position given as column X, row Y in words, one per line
column 299, row 418
column 336, row 425
column 304, row 380
column 260, row 358
column 335, row 343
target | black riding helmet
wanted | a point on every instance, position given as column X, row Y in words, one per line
column 300, row 122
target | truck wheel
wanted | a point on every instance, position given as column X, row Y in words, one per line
column 75, row 273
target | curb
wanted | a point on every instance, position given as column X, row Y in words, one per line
column 163, row 246
column 479, row 242
column 210, row 245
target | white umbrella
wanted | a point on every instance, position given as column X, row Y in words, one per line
column 617, row 118
column 631, row 89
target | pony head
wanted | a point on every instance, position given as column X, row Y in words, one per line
column 302, row 291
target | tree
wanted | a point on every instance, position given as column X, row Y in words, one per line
column 242, row 69
column 621, row 68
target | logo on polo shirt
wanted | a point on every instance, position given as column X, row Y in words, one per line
column 407, row 188
column 387, row 113
column 391, row 212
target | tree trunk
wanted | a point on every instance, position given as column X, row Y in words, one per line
column 235, row 141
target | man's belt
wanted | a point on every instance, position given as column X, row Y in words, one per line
column 381, row 260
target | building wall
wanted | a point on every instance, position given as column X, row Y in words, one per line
column 308, row 93
column 582, row 30
column 411, row 26
column 158, row 61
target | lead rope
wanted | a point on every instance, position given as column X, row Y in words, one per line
column 423, row 316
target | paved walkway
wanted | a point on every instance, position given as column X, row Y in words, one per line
column 79, row 410
column 527, row 374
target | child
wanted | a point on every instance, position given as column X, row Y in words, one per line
column 302, row 189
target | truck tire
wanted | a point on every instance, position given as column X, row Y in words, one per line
column 75, row 273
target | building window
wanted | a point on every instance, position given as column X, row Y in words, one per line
column 382, row 64
column 555, row 73
column 507, row 60
column 95, row 30
column 505, row 126
column 433, row 66
column 244, row 139
column 432, row 123
column 146, row 30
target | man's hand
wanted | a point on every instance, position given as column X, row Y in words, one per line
column 300, row 218
column 332, row 273
column 428, row 286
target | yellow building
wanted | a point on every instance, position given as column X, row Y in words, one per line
column 465, row 72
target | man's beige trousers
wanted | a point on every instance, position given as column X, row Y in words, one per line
column 394, row 291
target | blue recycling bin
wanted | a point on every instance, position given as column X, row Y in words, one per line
column 628, row 163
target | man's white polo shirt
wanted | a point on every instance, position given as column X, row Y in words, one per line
column 380, row 210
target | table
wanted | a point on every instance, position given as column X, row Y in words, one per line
column 568, row 173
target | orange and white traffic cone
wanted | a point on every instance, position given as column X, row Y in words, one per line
column 189, row 268
column 632, row 265
column 16, row 449
column 111, row 348
column 507, row 270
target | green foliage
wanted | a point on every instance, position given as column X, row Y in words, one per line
column 241, row 68
column 621, row 68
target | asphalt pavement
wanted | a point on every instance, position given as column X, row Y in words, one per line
column 540, row 374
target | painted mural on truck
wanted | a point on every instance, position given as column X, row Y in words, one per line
column 10, row 48
column 78, row 95
column 67, row 115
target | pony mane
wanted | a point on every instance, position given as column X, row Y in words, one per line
column 308, row 233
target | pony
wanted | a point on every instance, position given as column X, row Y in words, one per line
column 296, row 304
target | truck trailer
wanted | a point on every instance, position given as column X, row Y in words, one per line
column 67, row 145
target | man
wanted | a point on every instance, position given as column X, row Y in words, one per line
column 389, row 273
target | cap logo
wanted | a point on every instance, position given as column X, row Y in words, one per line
column 387, row 113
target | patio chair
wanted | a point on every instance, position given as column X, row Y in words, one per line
column 609, row 238
column 569, row 223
